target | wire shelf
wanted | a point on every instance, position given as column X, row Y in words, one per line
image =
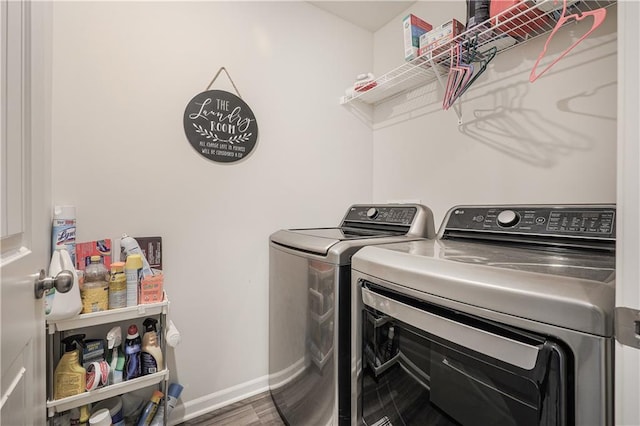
column 515, row 26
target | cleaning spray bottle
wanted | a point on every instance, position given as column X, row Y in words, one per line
column 58, row 306
column 151, row 356
column 129, row 246
column 70, row 377
column 116, row 356
column 132, row 349
column 171, row 401
column 150, row 409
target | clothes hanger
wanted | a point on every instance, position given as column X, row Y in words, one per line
column 491, row 53
column 459, row 74
column 463, row 73
column 451, row 77
column 598, row 17
column 467, row 74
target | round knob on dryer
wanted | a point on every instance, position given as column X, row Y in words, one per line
column 372, row 213
column 507, row 218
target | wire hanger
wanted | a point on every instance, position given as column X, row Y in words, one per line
column 598, row 17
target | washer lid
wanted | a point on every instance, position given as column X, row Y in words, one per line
column 588, row 265
column 563, row 288
column 320, row 240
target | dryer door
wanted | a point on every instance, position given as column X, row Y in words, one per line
column 425, row 364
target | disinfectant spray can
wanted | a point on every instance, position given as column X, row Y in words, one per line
column 133, row 274
column 64, row 230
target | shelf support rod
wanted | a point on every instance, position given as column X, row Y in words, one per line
column 456, row 106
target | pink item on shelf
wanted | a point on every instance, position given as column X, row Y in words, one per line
column 151, row 289
column 598, row 18
column 85, row 250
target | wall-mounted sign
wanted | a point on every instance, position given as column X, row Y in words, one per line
column 220, row 126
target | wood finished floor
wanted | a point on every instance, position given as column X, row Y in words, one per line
column 257, row 410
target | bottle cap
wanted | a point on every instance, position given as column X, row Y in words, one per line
column 114, row 405
column 133, row 330
column 175, row 390
column 74, row 342
column 95, row 259
column 150, row 324
column 114, row 337
column 117, row 266
column 157, row 396
column 101, row 417
column 134, row 261
column 64, row 212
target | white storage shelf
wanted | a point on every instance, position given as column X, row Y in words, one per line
column 111, row 315
column 95, row 319
column 513, row 27
column 64, row 404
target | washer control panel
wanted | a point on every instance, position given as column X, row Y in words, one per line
column 571, row 220
column 396, row 215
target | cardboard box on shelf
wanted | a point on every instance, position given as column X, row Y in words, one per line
column 151, row 289
column 152, row 249
column 413, row 27
column 85, row 250
column 436, row 41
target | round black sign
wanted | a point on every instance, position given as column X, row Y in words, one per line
column 220, row 126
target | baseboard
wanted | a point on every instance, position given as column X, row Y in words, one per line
column 283, row 377
column 216, row 400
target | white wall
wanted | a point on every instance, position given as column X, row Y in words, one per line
column 627, row 359
column 123, row 72
column 552, row 141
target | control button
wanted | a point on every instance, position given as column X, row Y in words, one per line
column 508, row 218
column 478, row 218
column 372, row 213
column 540, row 220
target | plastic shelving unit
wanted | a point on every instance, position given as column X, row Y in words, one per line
column 80, row 324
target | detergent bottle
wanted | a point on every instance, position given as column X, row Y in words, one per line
column 58, row 306
column 70, row 377
column 151, row 356
column 132, row 347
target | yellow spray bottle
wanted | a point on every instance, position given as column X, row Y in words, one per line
column 70, row 377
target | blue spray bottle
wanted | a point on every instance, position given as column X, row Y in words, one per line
column 132, row 348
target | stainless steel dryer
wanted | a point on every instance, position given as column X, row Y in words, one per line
column 309, row 307
column 506, row 319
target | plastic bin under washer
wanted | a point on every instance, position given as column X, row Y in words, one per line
column 310, row 307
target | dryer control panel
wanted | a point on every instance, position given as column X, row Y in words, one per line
column 400, row 215
column 571, row 221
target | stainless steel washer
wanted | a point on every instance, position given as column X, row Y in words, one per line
column 309, row 307
column 506, row 319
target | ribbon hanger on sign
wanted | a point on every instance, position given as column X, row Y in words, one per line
column 228, row 76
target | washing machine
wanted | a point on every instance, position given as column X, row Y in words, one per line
column 505, row 319
column 310, row 307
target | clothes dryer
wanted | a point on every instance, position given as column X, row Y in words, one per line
column 310, row 307
column 505, row 319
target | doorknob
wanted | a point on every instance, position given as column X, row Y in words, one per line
column 62, row 282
